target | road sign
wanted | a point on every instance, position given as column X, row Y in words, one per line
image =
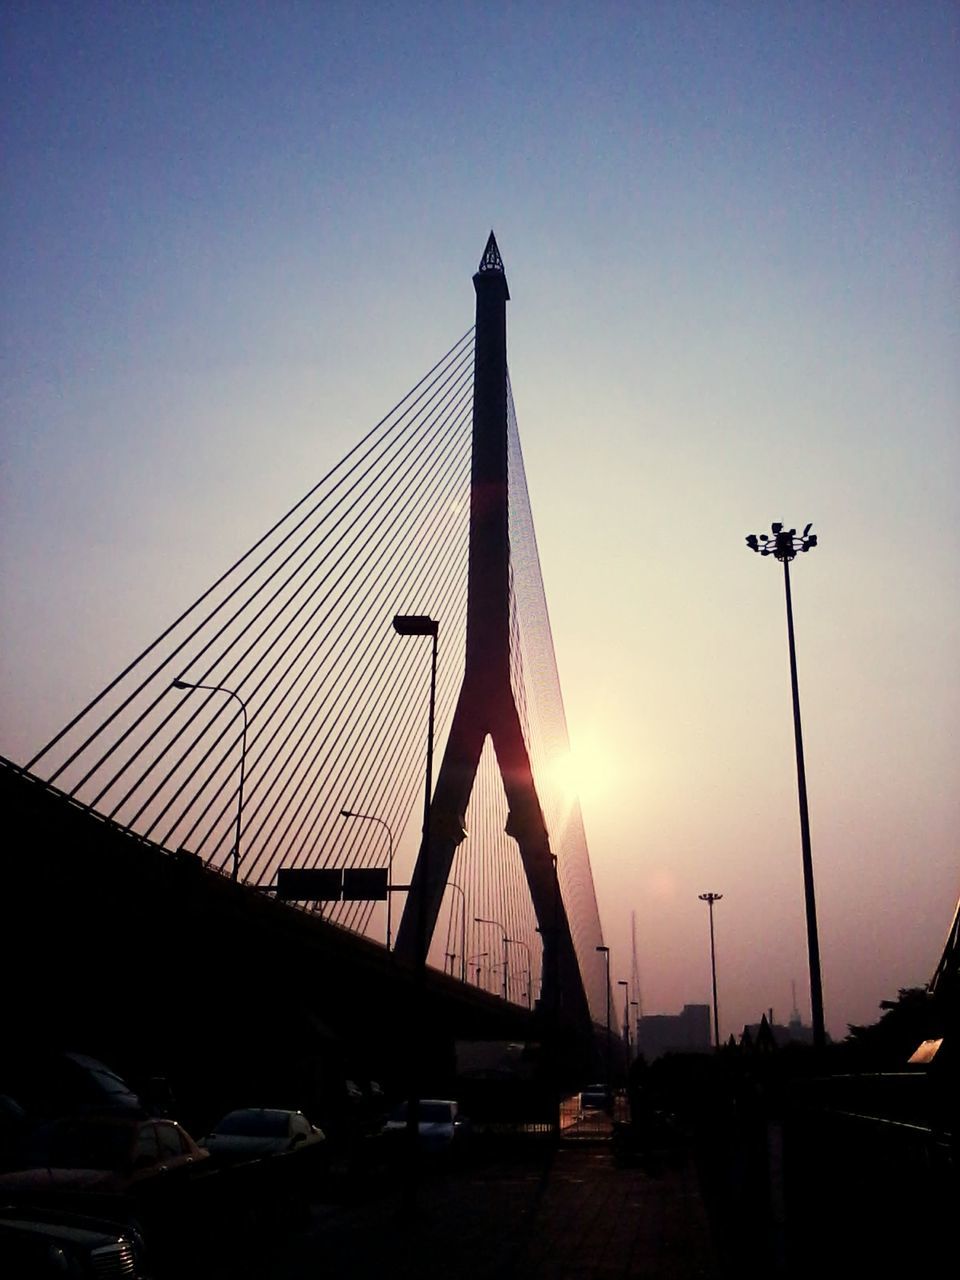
column 362, row 884
column 299, row 884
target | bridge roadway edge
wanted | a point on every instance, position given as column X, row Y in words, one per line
column 116, row 947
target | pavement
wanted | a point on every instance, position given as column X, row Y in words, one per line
column 573, row 1211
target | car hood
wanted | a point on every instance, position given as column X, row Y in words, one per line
column 426, row 1128
column 53, row 1179
column 241, row 1144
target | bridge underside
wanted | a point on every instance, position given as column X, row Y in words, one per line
column 114, row 947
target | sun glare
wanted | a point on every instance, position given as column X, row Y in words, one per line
column 584, row 774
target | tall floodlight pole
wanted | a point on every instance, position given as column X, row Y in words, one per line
column 219, row 688
column 370, row 817
column 605, row 952
column 503, row 933
column 710, row 899
column 420, row 625
column 783, row 545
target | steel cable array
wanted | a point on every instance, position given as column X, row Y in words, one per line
column 298, row 629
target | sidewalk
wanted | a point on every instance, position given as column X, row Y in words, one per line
column 575, row 1216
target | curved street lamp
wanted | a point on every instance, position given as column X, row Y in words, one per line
column 451, row 884
column 622, row 982
column 482, row 920
column 605, row 952
column 783, row 545
column 370, row 817
column 481, row 955
column 518, row 942
column 219, row 688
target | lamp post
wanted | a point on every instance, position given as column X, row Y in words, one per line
column 783, row 545
column 621, row 982
column 710, row 899
column 420, row 625
column 518, row 942
column 605, row 951
column 370, row 817
column 463, row 931
column 219, row 688
column 482, row 920
column 481, row 955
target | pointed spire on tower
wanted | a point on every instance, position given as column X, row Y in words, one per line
column 491, row 262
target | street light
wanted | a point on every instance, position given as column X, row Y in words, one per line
column 710, row 899
column 783, row 545
column 481, row 955
column 481, row 920
column 605, row 951
column 518, row 942
column 421, row 625
column 463, row 931
column 621, row 982
column 369, row 817
column 218, row 688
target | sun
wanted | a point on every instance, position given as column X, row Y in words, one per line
column 584, row 773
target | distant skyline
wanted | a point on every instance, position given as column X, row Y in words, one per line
column 233, row 236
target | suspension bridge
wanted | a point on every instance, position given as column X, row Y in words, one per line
column 279, row 725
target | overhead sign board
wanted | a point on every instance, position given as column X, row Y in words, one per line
column 310, row 884
column 365, row 884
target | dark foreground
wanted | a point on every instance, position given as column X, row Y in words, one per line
column 541, row 1212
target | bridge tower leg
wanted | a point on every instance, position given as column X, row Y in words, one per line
column 486, row 704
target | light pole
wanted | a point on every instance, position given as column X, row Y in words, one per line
column 219, row 688
column 481, row 955
column 605, row 951
column 420, row 625
column 463, row 931
column 370, row 817
column 783, row 545
column 710, row 899
column 621, row 982
column 482, row 920
column 518, row 942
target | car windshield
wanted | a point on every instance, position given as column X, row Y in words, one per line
column 430, row 1113
column 80, row 1146
column 255, row 1124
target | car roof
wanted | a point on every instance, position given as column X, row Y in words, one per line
column 261, row 1111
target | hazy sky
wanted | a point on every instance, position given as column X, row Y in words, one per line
column 233, row 235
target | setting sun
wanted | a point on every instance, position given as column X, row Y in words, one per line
column 586, row 773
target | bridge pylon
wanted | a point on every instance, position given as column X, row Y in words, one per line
column 486, row 705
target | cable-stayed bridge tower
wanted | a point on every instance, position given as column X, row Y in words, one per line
column 486, row 706
column 279, row 705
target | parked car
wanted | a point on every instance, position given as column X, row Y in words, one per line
column 441, row 1128
column 49, row 1083
column 261, row 1131
column 39, row 1244
column 111, row 1152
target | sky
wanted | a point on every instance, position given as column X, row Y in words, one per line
column 233, row 236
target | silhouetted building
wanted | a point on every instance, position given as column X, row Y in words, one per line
column 684, row 1032
column 793, row 1033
